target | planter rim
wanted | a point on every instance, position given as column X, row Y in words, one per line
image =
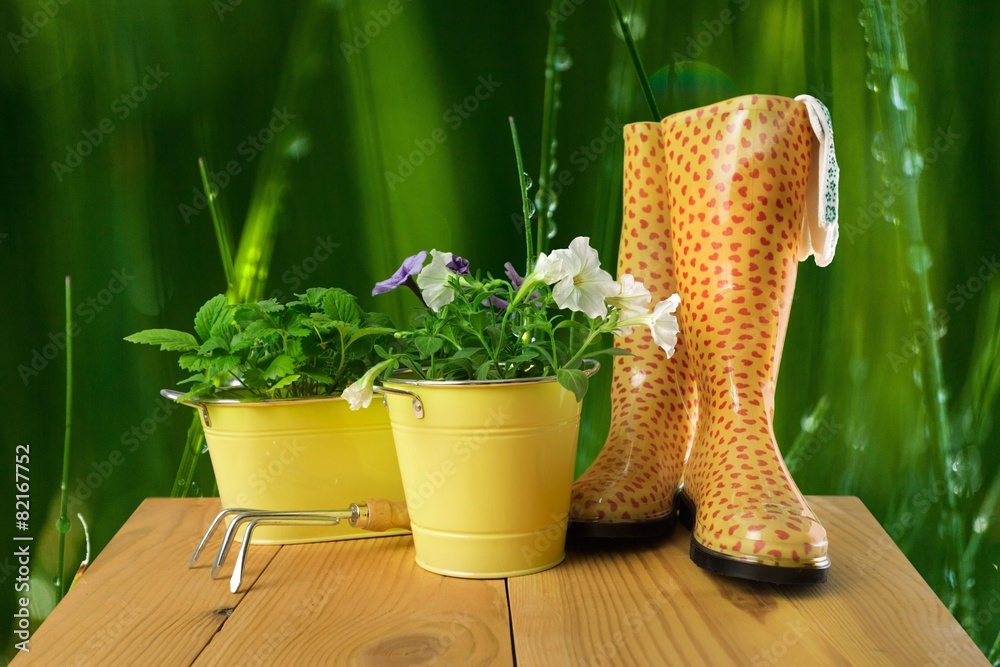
column 252, row 401
column 591, row 366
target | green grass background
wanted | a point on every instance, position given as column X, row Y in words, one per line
column 859, row 401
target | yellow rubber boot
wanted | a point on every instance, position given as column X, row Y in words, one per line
column 629, row 489
column 738, row 177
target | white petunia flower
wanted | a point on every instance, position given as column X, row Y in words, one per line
column 548, row 268
column 359, row 394
column 584, row 285
column 663, row 323
column 433, row 281
column 632, row 301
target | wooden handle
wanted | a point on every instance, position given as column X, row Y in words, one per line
column 385, row 515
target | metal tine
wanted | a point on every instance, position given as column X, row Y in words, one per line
column 211, row 529
column 230, row 535
column 280, row 516
column 241, row 556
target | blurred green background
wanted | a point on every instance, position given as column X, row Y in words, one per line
column 345, row 135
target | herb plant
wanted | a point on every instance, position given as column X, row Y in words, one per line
column 315, row 346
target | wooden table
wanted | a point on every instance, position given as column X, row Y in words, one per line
column 365, row 602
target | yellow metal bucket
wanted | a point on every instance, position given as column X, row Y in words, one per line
column 487, row 469
column 301, row 454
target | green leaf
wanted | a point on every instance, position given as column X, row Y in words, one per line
column 270, row 306
column 427, row 345
column 253, row 378
column 613, row 351
column 483, row 372
column 193, row 362
column 198, row 377
column 314, row 296
column 169, row 340
column 316, row 376
column 573, row 380
column 225, row 363
column 369, row 331
column 281, row 365
column 258, row 331
column 299, row 325
column 212, row 344
column 467, row 352
column 216, row 310
column 282, row 383
column 340, row 305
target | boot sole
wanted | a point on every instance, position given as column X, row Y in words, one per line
column 717, row 563
column 660, row 527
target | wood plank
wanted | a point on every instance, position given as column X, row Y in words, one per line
column 878, row 609
column 645, row 602
column 138, row 603
column 363, row 602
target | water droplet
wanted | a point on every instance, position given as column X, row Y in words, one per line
column 195, row 489
column 902, row 90
column 636, row 25
column 550, row 228
column 531, row 209
column 562, row 60
column 62, row 525
column 870, row 82
column 913, row 162
column 863, row 18
column 966, row 467
column 204, row 448
column 918, row 257
column 527, row 182
column 878, row 147
column 182, row 483
column 546, row 201
column 299, row 148
column 980, row 524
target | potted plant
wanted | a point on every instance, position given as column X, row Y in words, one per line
column 267, row 378
column 484, row 394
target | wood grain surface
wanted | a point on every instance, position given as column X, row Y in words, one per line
column 138, row 603
column 646, row 603
column 365, row 602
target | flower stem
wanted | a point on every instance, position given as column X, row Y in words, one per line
column 545, row 198
column 221, row 229
column 62, row 525
column 530, row 252
column 647, row 90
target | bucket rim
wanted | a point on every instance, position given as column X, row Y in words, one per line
column 250, row 401
column 591, row 366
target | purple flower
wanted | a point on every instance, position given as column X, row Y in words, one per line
column 515, row 280
column 459, row 265
column 403, row 276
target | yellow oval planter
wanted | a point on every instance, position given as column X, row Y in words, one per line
column 301, row 454
column 487, row 469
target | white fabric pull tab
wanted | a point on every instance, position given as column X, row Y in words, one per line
column 819, row 224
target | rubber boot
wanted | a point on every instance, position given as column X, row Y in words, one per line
column 629, row 489
column 738, row 181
